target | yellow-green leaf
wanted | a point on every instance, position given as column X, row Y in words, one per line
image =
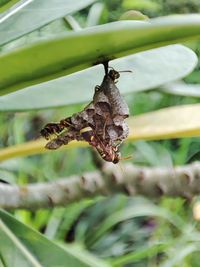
column 173, row 122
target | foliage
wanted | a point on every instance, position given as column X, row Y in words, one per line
column 122, row 231
column 180, row 7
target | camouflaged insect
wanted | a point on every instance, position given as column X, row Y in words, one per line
column 101, row 123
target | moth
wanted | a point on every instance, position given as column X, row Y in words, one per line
column 101, row 123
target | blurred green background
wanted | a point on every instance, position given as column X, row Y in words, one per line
column 133, row 242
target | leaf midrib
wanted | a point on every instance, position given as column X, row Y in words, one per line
column 20, row 245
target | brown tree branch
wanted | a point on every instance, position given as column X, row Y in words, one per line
column 183, row 181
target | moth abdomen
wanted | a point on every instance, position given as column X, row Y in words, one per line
column 87, row 133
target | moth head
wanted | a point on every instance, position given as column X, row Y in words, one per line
column 45, row 133
column 113, row 74
column 117, row 158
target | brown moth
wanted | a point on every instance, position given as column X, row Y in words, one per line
column 101, row 123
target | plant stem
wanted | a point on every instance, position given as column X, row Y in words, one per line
column 183, row 181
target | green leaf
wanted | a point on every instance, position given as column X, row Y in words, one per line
column 150, row 69
column 35, row 15
column 172, row 122
column 72, row 23
column 133, row 15
column 137, row 210
column 49, row 59
column 179, row 255
column 149, row 250
column 182, row 88
column 6, row 4
column 154, row 154
column 94, row 14
column 22, row 246
column 141, row 4
column 1, row 263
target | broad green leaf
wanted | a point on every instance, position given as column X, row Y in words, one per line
column 49, row 59
column 155, row 154
column 3, row 2
column 138, row 210
column 23, row 246
column 173, row 122
column 150, row 69
column 182, row 88
column 35, row 15
column 15, row 8
column 179, row 255
column 6, row 4
column 1, row 263
column 150, row 250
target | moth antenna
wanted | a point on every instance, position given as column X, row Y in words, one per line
column 126, row 71
column 127, row 158
column 121, row 167
column 121, row 70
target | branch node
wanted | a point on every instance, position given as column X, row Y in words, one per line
column 160, row 190
column 128, row 190
column 23, row 189
column 50, row 202
column 188, row 177
column 141, row 175
column 83, row 180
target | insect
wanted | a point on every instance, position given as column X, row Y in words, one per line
column 101, row 123
column 107, row 152
column 54, row 128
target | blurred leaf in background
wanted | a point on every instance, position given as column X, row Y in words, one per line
column 123, row 231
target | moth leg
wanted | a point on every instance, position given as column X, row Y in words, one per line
column 54, row 143
column 97, row 88
column 66, row 123
column 55, row 128
column 104, row 127
column 62, row 139
column 51, row 129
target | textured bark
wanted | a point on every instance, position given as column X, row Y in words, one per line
column 183, row 181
